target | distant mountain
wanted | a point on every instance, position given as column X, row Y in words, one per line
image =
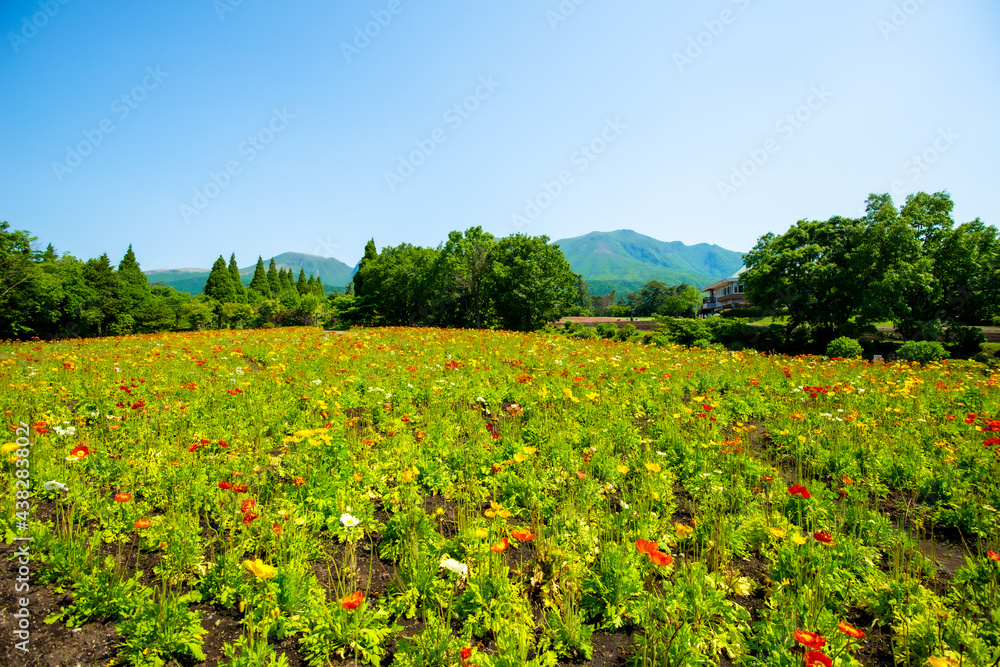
column 625, row 260
column 334, row 273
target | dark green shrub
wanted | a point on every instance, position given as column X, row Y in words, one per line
column 606, row 330
column 625, row 333
column 989, row 354
column 844, row 347
column 922, row 351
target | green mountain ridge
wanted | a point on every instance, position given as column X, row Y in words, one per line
column 622, row 260
column 334, row 273
column 625, row 260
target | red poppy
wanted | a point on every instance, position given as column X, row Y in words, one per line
column 994, row 555
column 824, row 537
column 814, row 658
column 799, row 490
column 80, row 452
column 123, row 497
column 248, row 517
column 352, row 601
column 276, row 528
column 809, row 639
column 661, row 559
column 299, row 481
column 850, row 630
column 193, row 448
column 767, row 478
column 240, row 488
column 646, row 546
column 465, row 653
column 847, row 480
column 143, row 523
column 225, row 486
column 247, row 505
column 522, row 534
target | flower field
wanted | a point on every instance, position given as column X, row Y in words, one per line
column 452, row 497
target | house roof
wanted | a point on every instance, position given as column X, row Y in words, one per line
column 719, row 284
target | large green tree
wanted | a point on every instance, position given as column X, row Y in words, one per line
column 531, row 283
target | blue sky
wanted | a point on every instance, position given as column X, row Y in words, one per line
column 204, row 127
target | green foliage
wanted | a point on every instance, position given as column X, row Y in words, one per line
column 163, row 629
column 844, row 348
column 989, row 354
column 923, row 351
column 104, row 594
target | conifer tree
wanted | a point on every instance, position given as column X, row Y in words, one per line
column 238, row 287
column 300, row 284
column 259, row 283
column 318, row 289
column 273, row 279
column 219, row 285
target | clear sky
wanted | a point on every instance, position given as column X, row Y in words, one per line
column 196, row 128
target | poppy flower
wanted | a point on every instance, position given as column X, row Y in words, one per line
column 767, row 478
column 276, row 528
column 646, row 546
column 225, row 486
column 143, row 523
column 814, row 658
column 299, row 481
column 352, row 601
column 247, row 505
column 994, row 555
column 249, row 517
column 809, row 639
column 661, row 559
column 824, row 537
column 465, row 653
column 500, row 546
column 259, row 568
column 80, row 452
column 240, row 488
column 522, row 534
column 799, row 490
column 850, row 630
column 123, row 497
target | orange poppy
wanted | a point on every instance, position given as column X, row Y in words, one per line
column 661, row 559
column 809, row 639
column 646, row 546
column 143, row 523
column 522, row 534
column 850, row 630
column 352, row 601
column 123, row 497
column 501, row 545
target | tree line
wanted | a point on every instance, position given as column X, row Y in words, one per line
column 52, row 295
column 473, row 280
column 911, row 266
